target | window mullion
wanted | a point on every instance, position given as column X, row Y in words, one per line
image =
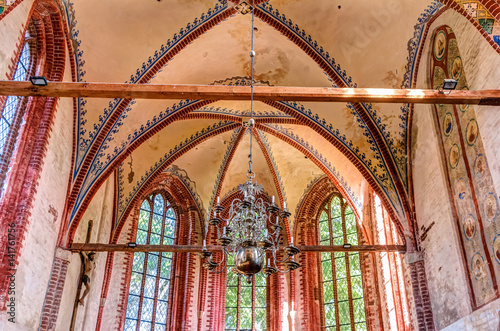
column 145, row 268
column 334, row 269
column 343, row 205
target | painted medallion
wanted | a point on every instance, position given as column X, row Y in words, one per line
column 447, row 124
column 454, row 156
column 461, row 189
column 480, row 166
column 477, row 266
column 490, row 206
column 469, row 225
column 456, row 68
column 463, row 108
column 440, row 45
column 496, row 248
column 471, row 132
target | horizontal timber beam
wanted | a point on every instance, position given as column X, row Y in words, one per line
column 78, row 247
column 261, row 93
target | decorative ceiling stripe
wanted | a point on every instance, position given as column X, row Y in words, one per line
column 271, row 164
column 226, row 161
column 165, row 161
column 95, row 179
column 381, row 138
column 261, row 139
column 242, row 113
column 376, row 171
column 143, row 75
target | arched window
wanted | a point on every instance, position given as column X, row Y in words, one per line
column 340, row 274
column 249, row 307
column 14, row 107
column 150, row 281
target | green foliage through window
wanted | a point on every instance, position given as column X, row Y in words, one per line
column 344, row 307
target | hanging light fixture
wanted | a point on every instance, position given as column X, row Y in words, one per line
column 253, row 227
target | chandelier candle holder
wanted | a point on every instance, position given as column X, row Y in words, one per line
column 251, row 231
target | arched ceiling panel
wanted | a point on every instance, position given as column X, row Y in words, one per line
column 129, row 32
column 237, row 170
column 366, row 40
column 203, row 164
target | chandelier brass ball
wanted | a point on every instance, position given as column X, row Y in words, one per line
column 248, row 260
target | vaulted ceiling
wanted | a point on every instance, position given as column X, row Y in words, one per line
column 297, row 43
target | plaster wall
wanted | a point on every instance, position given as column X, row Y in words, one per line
column 37, row 253
column 15, row 23
column 116, row 299
column 448, row 288
column 100, row 212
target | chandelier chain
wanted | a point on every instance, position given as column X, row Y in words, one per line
column 251, row 122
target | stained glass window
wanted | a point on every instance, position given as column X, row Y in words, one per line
column 14, row 107
column 150, row 281
column 344, row 307
column 251, row 304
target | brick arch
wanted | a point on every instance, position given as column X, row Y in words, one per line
column 28, row 158
column 124, row 103
column 373, row 128
column 337, row 184
column 188, row 232
column 140, row 192
column 308, row 283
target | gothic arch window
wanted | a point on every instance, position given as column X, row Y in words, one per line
column 13, row 108
column 149, row 293
column 246, row 307
column 340, row 276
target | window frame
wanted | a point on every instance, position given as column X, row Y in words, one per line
column 21, row 104
column 168, row 204
column 326, row 207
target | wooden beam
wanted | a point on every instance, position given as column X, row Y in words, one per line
column 261, row 93
column 80, row 247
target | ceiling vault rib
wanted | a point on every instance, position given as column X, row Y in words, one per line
column 274, row 174
column 340, row 187
column 233, row 148
column 123, row 104
column 379, row 139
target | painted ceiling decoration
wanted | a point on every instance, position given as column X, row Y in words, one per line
column 205, row 42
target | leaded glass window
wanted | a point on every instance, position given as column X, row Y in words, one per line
column 150, row 281
column 342, row 285
column 14, row 107
column 246, row 304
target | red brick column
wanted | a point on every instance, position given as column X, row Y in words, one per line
column 54, row 292
column 420, row 288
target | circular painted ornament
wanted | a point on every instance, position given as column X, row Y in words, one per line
column 454, row 156
column 447, row 124
column 496, row 248
column 469, row 227
column 477, row 266
column 456, row 68
column 439, row 45
column 480, row 166
column 471, row 132
column 490, row 207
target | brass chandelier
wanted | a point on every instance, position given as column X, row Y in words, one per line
column 253, row 227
